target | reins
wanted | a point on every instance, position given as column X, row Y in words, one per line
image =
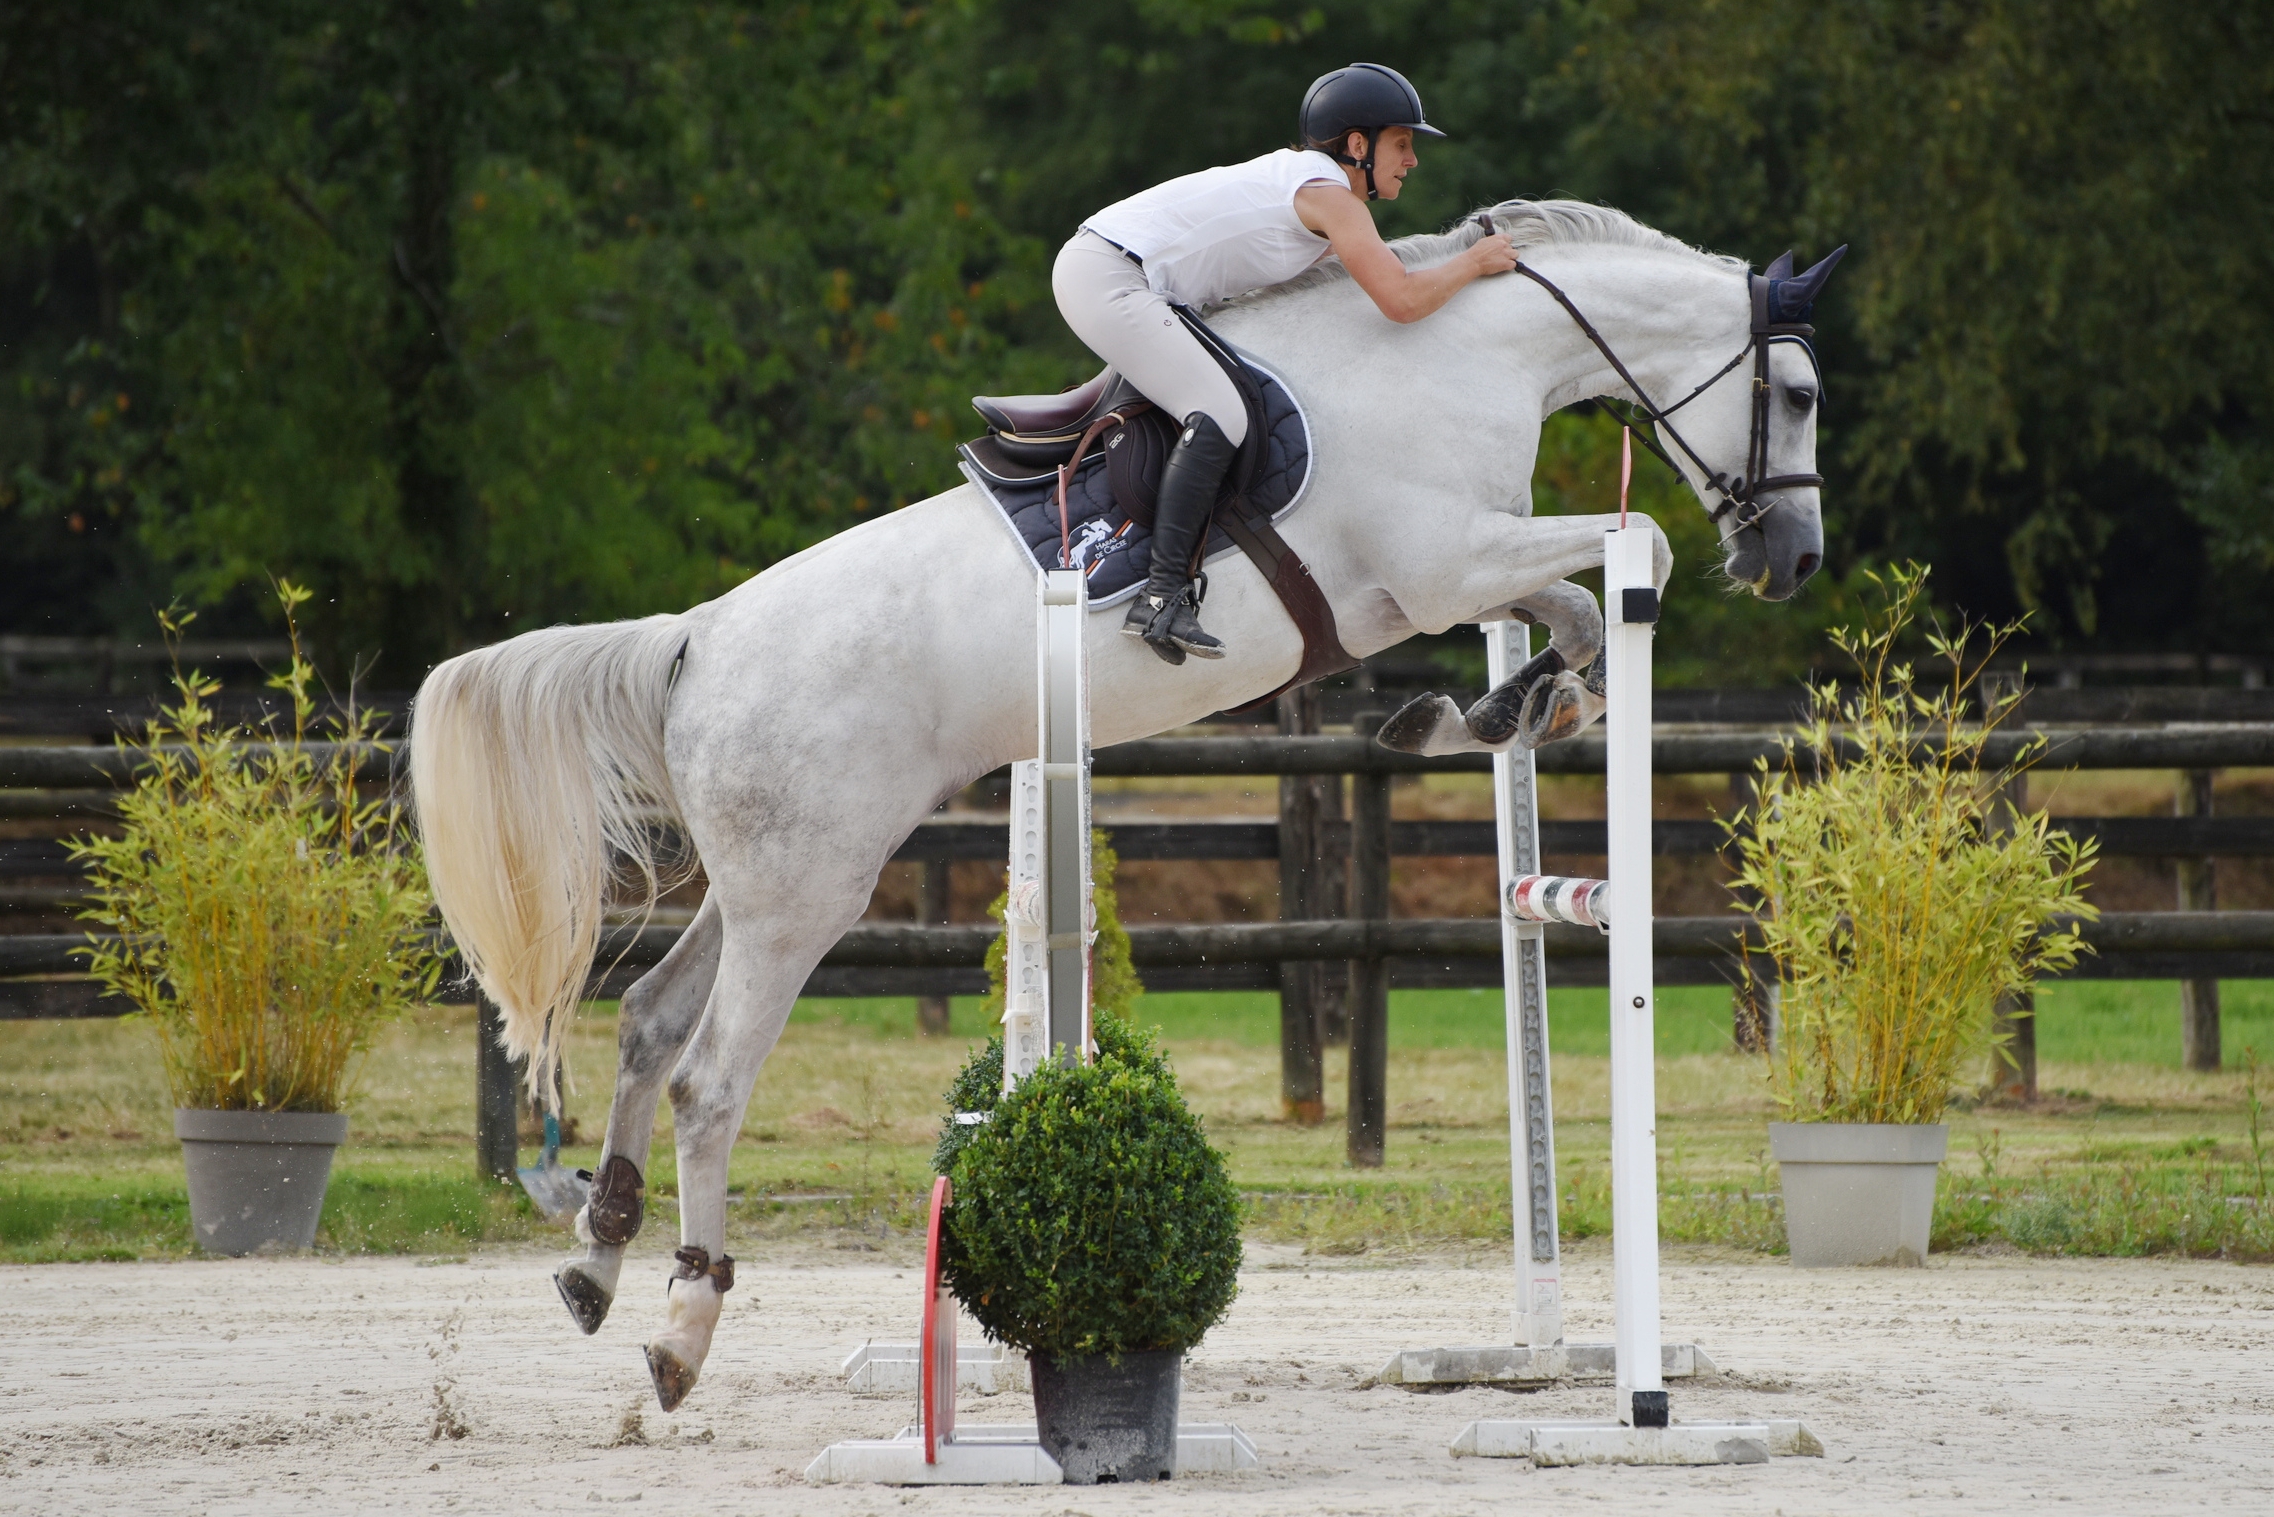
column 1743, row 493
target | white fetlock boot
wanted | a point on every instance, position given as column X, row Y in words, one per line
column 675, row 1356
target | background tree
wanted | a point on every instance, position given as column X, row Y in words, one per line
column 482, row 315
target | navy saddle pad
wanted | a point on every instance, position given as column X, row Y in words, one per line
column 1115, row 553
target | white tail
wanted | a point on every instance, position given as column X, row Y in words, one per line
column 535, row 765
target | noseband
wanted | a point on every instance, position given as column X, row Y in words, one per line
column 1744, row 493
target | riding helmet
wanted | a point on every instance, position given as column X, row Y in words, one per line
column 1365, row 97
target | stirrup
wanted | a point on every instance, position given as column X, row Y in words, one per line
column 1170, row 626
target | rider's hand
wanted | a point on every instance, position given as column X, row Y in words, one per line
column 1492, row 254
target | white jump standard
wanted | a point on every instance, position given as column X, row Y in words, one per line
column 1529, row 900
column 1642, row 1429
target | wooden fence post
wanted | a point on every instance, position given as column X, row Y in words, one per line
column 2198, row 891
column 1753, row 999
column 932, row 908
column 497, row 1083
column 2013, row 1073
column 1370, row 976
column 1302, row 897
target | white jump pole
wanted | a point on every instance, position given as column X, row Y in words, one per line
column 1539, row 1355
column 1630, row 615
column 1642, row 1430
column 1051, row 916
column 1049, row 921
column 1524, row 988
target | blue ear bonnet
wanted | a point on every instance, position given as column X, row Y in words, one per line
column 1782, row 298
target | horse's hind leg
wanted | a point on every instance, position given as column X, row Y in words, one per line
column 659, row 1015
column 760, row 974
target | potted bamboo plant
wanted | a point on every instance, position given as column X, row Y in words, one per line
column 1901, row 896
column 268, row 921
column 1095, row 1230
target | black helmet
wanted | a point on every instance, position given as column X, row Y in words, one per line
column 1365, row 97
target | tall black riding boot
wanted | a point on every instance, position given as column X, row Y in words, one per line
column 1165, row 612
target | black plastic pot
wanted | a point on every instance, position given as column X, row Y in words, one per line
column 1106, row 1422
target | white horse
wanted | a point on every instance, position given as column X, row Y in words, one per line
column 802, row 725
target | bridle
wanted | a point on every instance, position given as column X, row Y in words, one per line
column 1744, row 494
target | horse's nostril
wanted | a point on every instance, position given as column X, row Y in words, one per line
column 1808, row 564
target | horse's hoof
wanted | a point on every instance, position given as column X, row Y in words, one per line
column 673, row 1377
column 1553, row 711
column 584, row 1298
column 1497, row 717
column 1416, row 722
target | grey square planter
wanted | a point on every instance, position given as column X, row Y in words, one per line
column 1858, row 1192
column 257, row 1178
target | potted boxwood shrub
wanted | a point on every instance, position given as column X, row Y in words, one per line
column 1901, row 896
column 1095, row 1230
column 268, row 921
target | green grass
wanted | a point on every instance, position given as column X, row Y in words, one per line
column 2079, row 1021
column 2135, row 1156
column 1691, row 1019
column 2137, row 1021
column 387, row 1209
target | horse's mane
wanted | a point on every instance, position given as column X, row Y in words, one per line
column 1527, row 224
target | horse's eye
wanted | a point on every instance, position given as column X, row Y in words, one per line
column 1801, row 397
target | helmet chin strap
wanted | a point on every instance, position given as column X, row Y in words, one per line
column 1364, row 165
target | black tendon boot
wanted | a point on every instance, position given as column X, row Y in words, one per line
column 1164, row 613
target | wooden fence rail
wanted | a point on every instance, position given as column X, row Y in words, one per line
column 78, row 767
column 895, row 958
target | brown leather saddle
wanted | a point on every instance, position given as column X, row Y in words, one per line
column 1044, row 429
column 1063, row 438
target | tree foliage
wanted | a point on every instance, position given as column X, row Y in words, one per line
column 476, row 317
column 2058, row 304
column 483, row 315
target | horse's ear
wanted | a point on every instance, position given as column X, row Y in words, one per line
column 1794, row 296
column 1781, row 268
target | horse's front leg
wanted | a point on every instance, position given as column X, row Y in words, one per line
column 760, row 974
column 1550, row 697
column 657, row 1017
column 1512, row 711
column 1434, row 724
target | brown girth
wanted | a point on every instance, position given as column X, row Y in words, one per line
column 695, row 1264
column 1290, row 579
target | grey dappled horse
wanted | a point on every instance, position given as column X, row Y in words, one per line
column 803, row 724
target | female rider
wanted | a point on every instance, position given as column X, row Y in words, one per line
column 1221, row 232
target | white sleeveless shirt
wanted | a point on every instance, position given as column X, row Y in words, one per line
column 1209, row 236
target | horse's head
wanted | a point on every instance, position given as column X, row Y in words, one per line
column 1748, row 446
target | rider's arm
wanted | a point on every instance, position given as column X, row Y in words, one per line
column 1403, row 294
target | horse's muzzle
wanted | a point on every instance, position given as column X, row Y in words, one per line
column 1776, row 555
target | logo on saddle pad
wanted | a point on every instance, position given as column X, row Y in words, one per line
column 1098, row 539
